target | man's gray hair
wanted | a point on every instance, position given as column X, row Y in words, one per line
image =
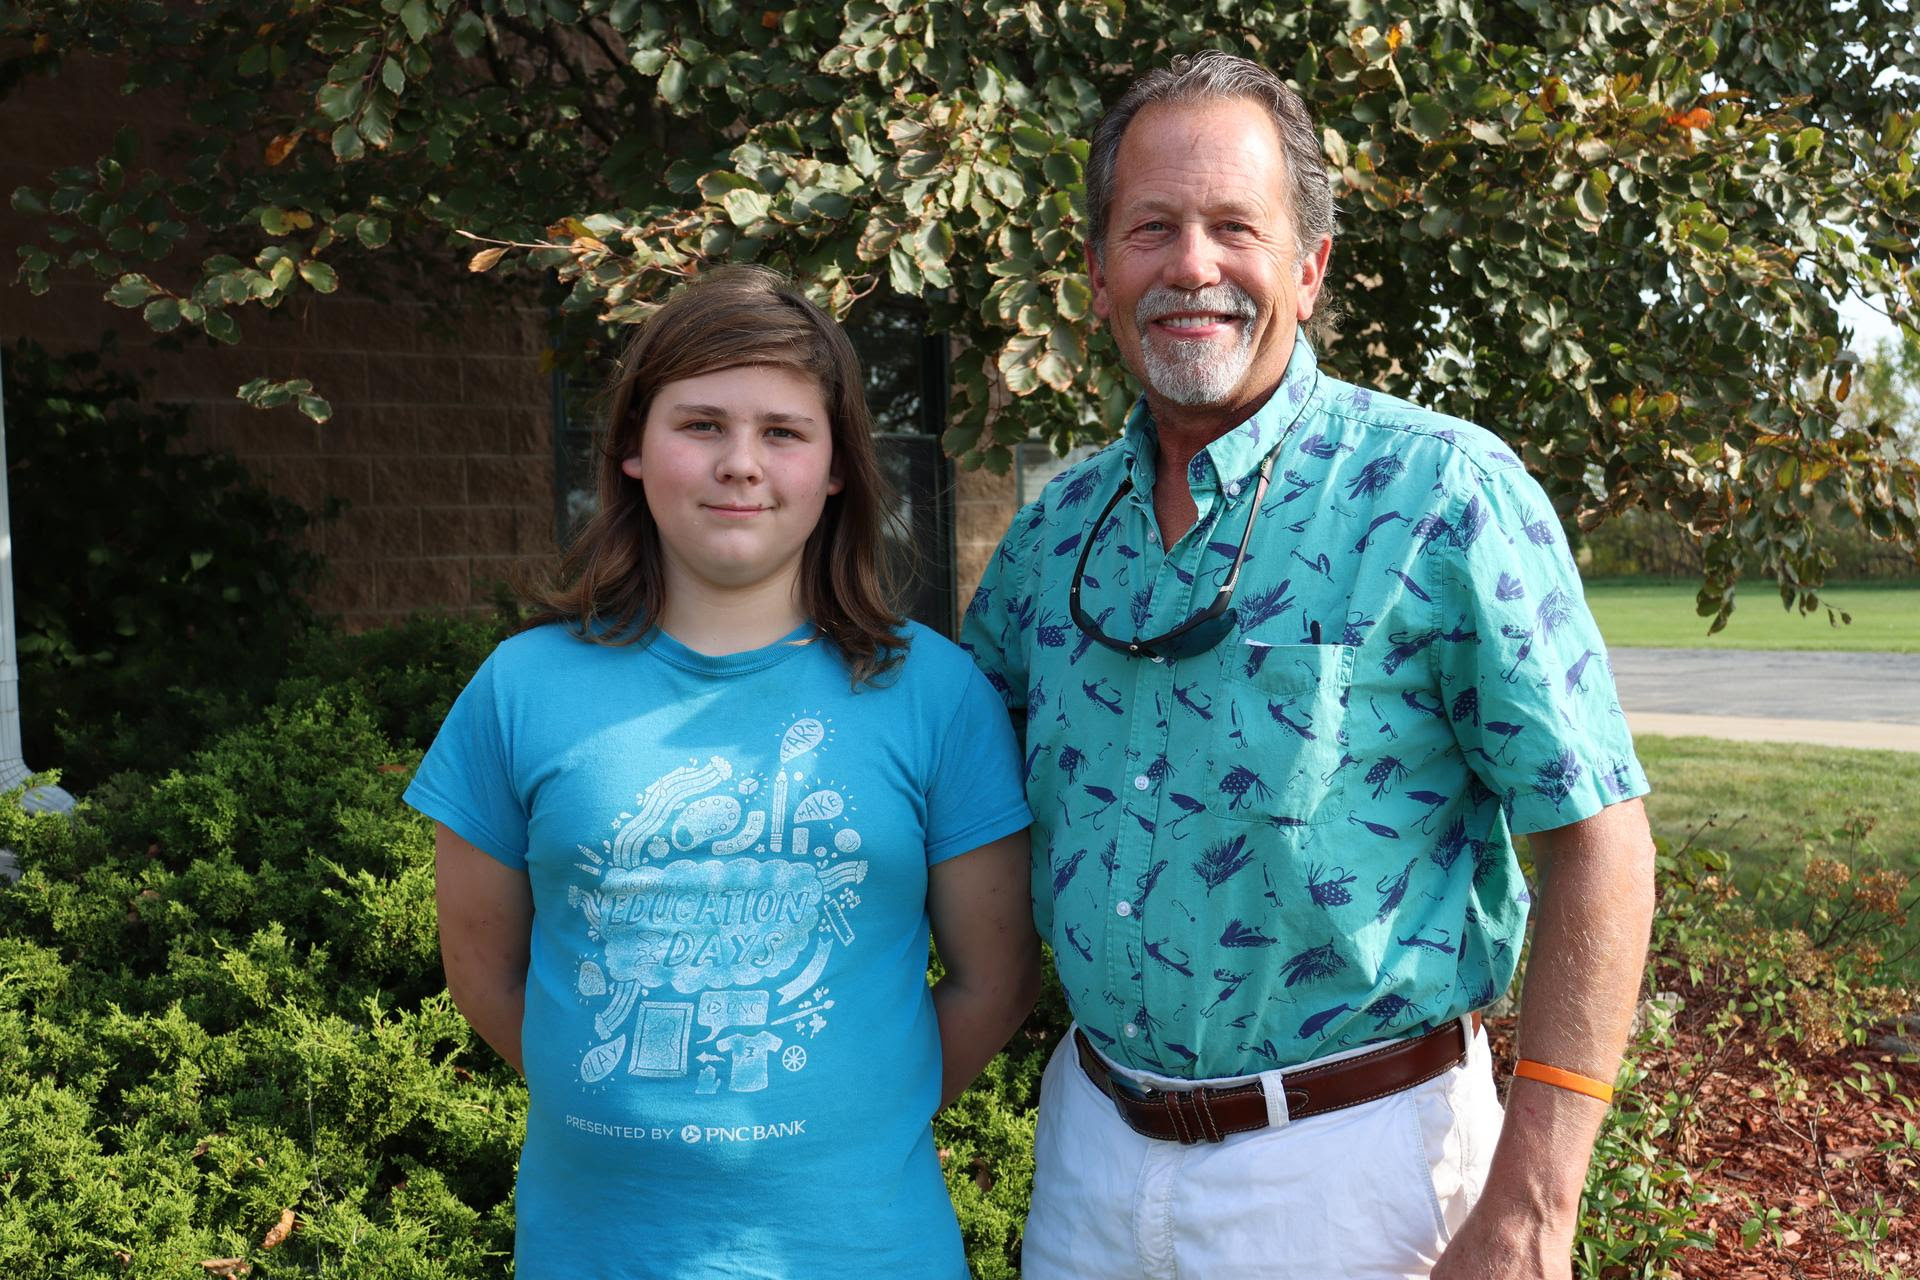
column 1210, row 77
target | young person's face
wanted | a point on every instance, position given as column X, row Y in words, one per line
column 737, row 466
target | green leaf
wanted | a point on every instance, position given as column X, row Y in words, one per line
column 347, row 144
column 673, row 82
column 393, row 75
column 904, row 274
column 1073, row 298
column 320, row 276
column 314, row 407
column 373, row 232
column 376, row 122
column 417, row 18
column 1429, row 119
column 1002, row 183
column 339, row 99
column 274, row 221
column 469, row 34
column 1591, row 200
column 1030, row 141
column 221, row 327
column 648, row 61
column 163, row 314
column 936, row 244
column 253, row 61
column 130, row 291
column 745, row 206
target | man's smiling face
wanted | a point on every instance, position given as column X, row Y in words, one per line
column 1201, row 277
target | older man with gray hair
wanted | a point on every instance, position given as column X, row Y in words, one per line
column 1327, row 655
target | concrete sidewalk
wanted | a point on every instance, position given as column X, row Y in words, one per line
column 1864, row 700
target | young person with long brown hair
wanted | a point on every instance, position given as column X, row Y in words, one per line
column 695, row 824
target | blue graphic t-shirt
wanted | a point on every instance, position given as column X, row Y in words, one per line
column 731, row 1052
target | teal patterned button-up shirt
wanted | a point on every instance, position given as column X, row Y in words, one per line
column 1300, row 841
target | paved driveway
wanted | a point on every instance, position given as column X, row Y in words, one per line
column 1835, row 699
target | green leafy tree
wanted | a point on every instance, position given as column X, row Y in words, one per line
column 1614, row 233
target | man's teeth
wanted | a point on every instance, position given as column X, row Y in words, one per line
column 1195, row 322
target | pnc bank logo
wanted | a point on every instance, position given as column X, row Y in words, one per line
column 691, row 1133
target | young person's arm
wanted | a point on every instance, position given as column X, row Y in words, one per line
column 982, row 918
column 486, row 930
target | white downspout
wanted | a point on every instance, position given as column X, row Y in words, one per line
column 13, row 768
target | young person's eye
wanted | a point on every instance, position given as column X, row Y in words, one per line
column 702, row 425
column 785, row 433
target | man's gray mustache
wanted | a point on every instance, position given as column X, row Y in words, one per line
column 1165, row 302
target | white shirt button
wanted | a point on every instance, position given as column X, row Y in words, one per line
column 1153, row 535
column 1124, row 909
column 1131, row 1030
column 1141, row 783
column 1233, row 489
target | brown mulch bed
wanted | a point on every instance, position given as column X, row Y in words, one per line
column 1812, row 1150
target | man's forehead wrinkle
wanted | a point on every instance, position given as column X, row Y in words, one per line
column 1176, row 188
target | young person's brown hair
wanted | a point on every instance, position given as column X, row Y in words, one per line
column 611, row 585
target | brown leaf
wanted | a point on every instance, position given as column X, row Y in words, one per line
column 1698, row 118
column 226, row 1266
column 770, row 19
column 982, row 1173
column 279, row 1231
column 122, row 1257
column 484, row 260
column 391, row 768
column 280, row 148
column 199, row 1150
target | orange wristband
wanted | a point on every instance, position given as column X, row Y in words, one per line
column 1528, row 1069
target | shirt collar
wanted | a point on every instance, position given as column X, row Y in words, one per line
column 1238, row 453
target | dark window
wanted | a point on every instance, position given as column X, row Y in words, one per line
column 906, row 378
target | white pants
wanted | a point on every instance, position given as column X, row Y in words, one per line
column 1370, row 1192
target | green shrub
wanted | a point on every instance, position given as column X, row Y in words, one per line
column 158, row 589
column 220, row 1000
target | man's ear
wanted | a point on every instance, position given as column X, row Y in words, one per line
column 630, row 466
column 1313, row 275
column 1097, row 277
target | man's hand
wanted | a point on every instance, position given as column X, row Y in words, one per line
column 1577, row 1002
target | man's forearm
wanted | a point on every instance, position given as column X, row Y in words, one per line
column 1577, row 1003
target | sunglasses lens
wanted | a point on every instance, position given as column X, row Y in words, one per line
column 1201, row 638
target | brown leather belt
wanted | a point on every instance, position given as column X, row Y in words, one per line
column 1212, row 1114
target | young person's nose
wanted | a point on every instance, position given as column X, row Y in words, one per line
column 740, row 460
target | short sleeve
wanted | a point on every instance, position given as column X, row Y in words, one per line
column 465, row 782
column 1523, row 669
column 992, row 630
column 975, row 796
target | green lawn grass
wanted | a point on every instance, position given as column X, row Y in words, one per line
column 1767, row 800
column 1650, row 614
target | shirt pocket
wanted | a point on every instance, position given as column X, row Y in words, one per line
column 1277, row 758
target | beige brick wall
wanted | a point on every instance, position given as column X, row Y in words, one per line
column 983, row 507
column 441, row 439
